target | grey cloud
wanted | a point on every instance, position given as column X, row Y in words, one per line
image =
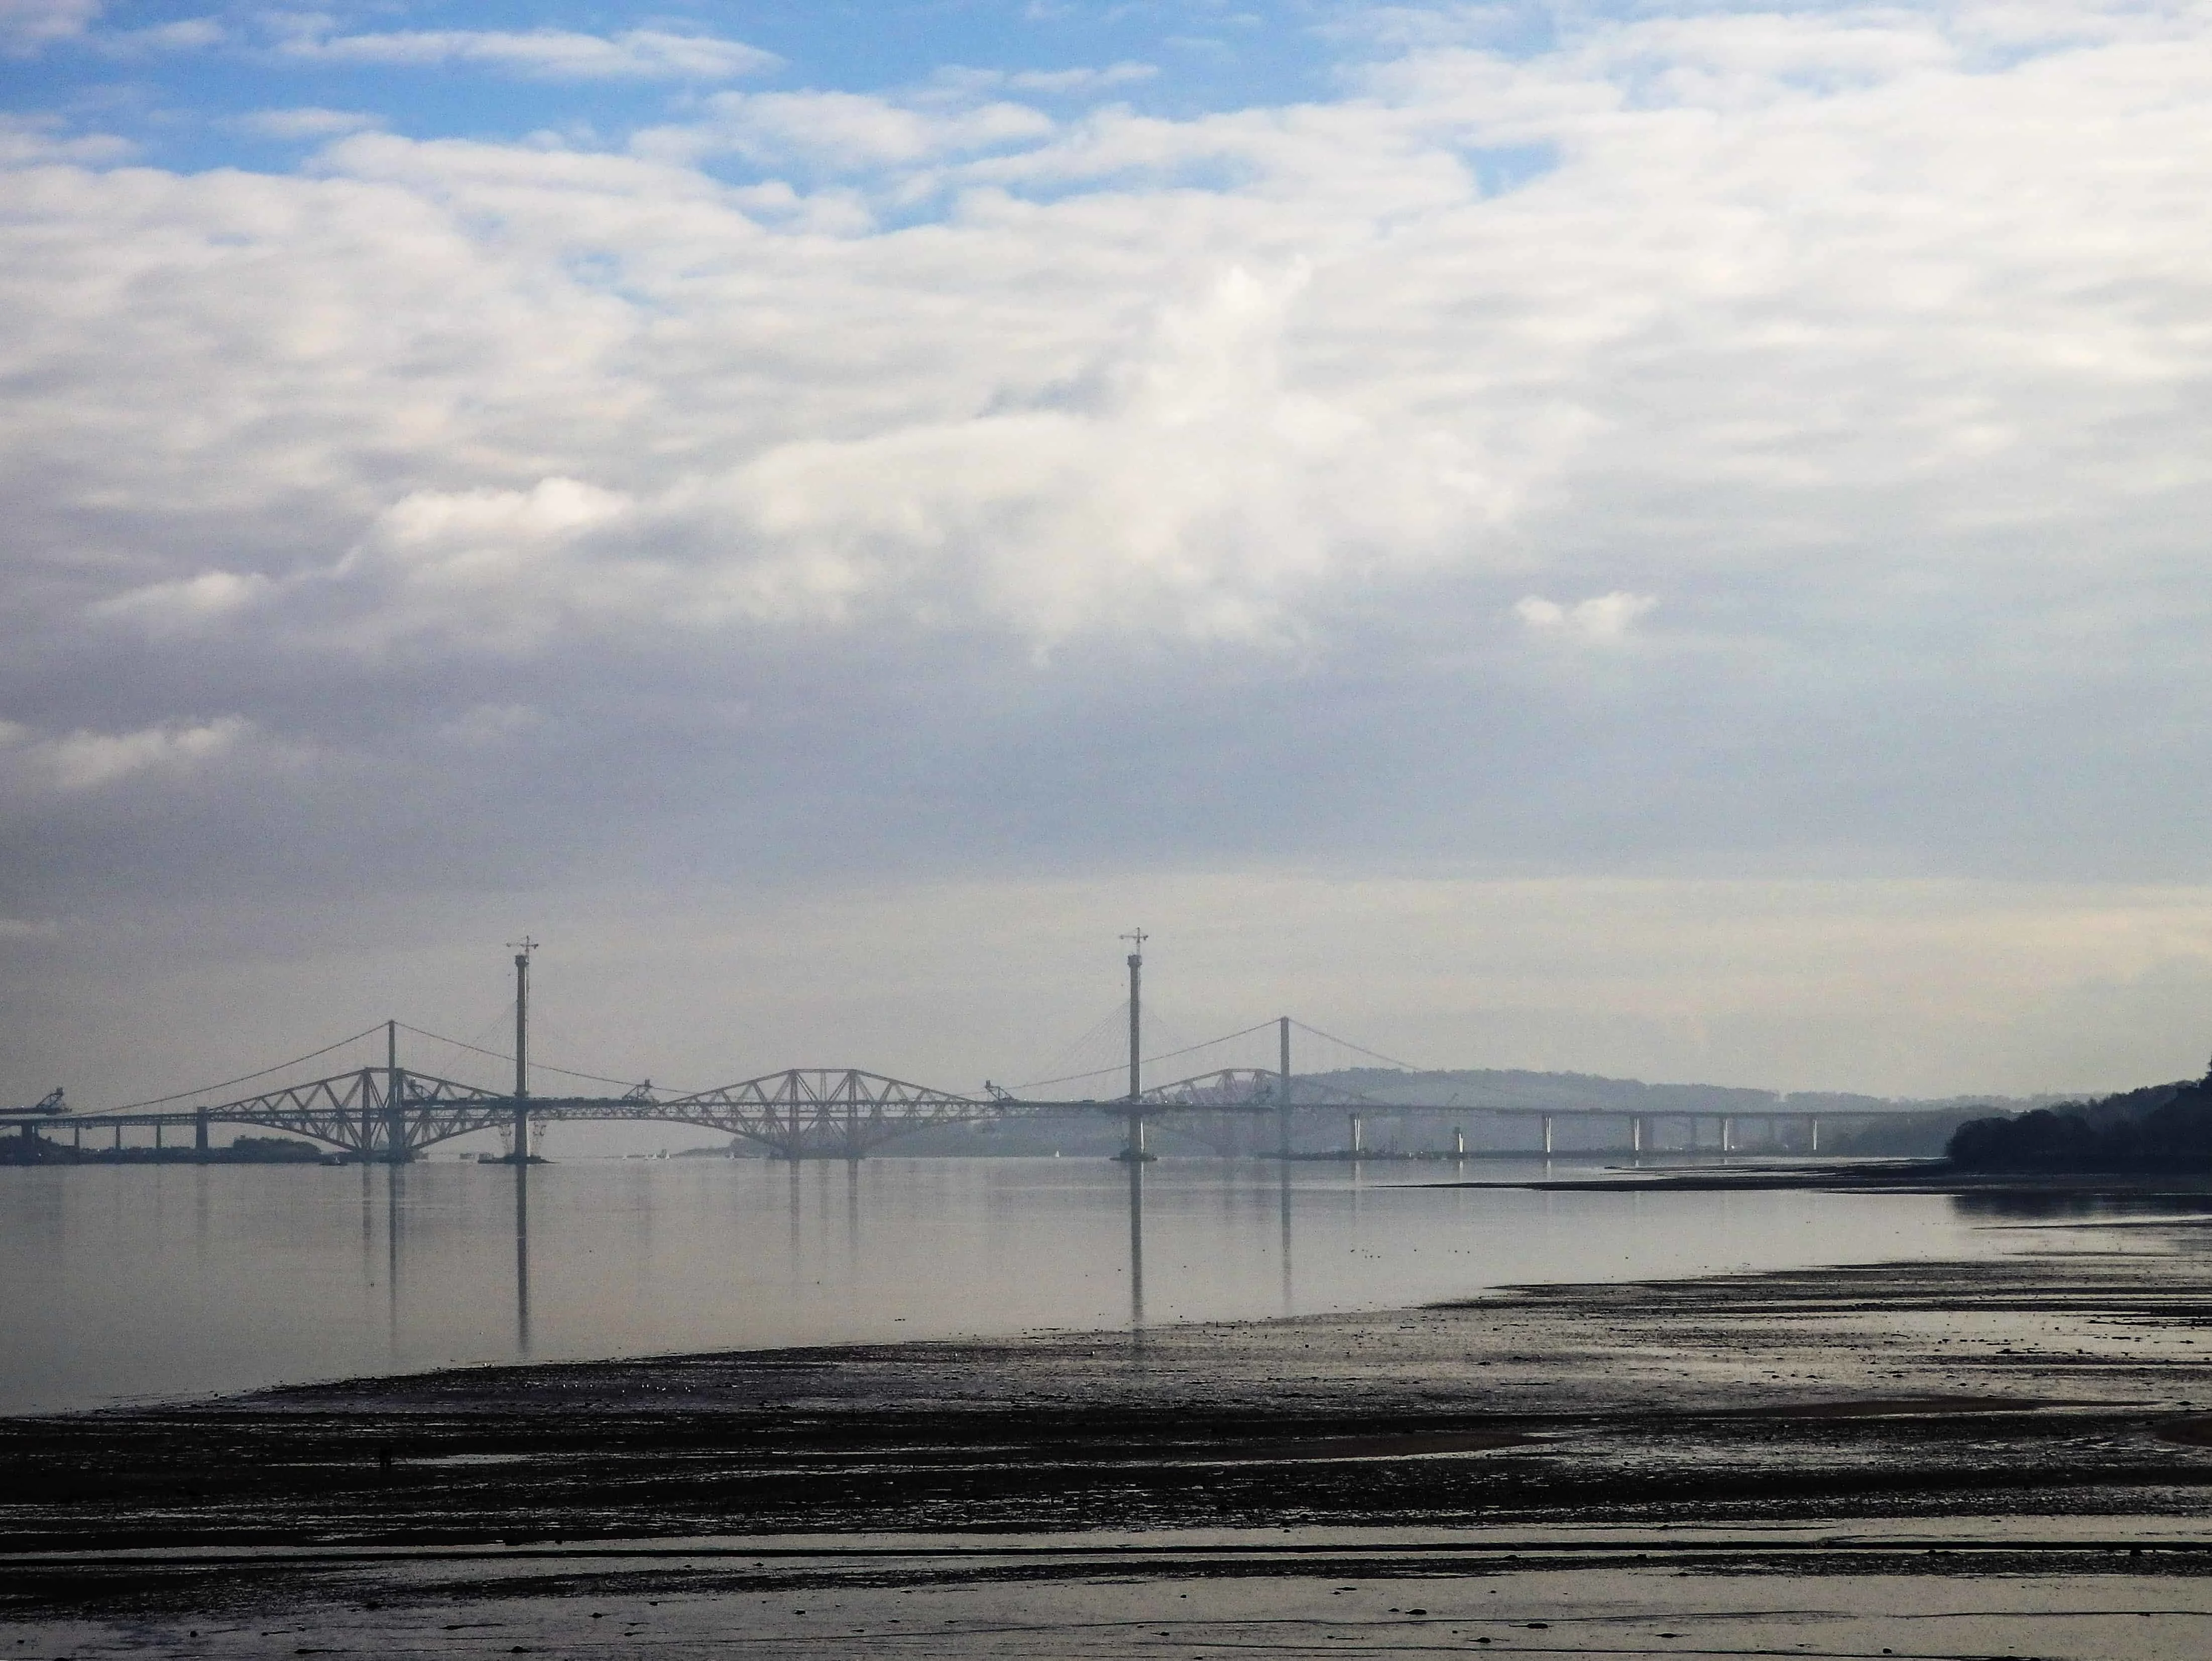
column 578, row 519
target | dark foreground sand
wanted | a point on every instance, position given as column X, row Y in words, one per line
column 2011, row 1457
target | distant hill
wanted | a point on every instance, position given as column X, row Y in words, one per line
column 2165, row 1126
column 1908, row 1127
column 1490, row 1087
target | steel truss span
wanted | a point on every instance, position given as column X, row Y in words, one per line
column 800, row 1112
column 391, row 1114
column 386, row 1114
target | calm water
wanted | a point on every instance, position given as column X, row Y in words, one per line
column 130, row 1282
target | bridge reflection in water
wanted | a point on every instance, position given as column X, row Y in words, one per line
column 396, row 1210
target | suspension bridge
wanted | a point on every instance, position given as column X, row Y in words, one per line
column 392, row 1113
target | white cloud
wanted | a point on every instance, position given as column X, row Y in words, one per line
column 543, row 54
column 185, row 34
column 308, row 122
column 1070, row 82
column 191, row 603
column 29, row 26
column 83, row 761
column 1597, row 621
column 33, row 141
column 839, row 130
column 1184, row 489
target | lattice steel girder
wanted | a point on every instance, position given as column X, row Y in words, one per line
column 802, row 1110
column 353, row 1111
column 798, row 1111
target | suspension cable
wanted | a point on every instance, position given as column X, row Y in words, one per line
column 1363, row 1050
column 1146, row 1061
column 247, row 1078
column 509, row 1056
column 1098, row 1028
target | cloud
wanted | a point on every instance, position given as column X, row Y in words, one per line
column 29, row 26
column 308, row 122
column 842, row 130
column 543, row 54
column 189, row 603
column 1070, row 82
column 185, row 34
column 1598, row 621
column 34, row 142
column 991, row 460
column 85, row 761
column 1178, row 486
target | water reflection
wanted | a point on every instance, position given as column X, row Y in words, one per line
column 1137, row 1245
column 393, row 1187
column 2032, row 1205
column 853, row 1216
column 522, row 1259
column 232, row 1284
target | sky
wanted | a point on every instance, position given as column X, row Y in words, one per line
column 1663, row 540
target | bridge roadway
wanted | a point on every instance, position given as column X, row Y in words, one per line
column 390, row 1114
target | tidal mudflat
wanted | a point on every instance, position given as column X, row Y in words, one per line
column 2010, row 1456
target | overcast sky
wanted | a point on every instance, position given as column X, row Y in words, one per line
column 1663, row 540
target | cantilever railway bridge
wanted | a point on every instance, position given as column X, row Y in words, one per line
column 392, row 1113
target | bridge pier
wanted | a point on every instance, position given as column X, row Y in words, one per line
column 1458, row 1143
column 1548, row 1135
column 1636, row 1134
column 1359, row 1136
column 1728, row 1135
column 200, row 1135
column 1816, row 1135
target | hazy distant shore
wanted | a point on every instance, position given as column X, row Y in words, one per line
column 1881, row 1176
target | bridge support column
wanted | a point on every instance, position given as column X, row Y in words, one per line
column 1136, row 1150
column 1283, row 1088
column 1459, row 1144
column 157, row 1136
column 522, row 1134
column 1548, row 1135
column 1359, row 1136
column 200, row 1134
column 1728, row 1135
column 1816, row 1135
column 1636, row 1134
column 118, row 1139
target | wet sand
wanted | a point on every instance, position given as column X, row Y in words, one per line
column 1999, row 1456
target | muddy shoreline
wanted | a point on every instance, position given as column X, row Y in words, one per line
column 2048, row 1399
column 2060, row 1383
